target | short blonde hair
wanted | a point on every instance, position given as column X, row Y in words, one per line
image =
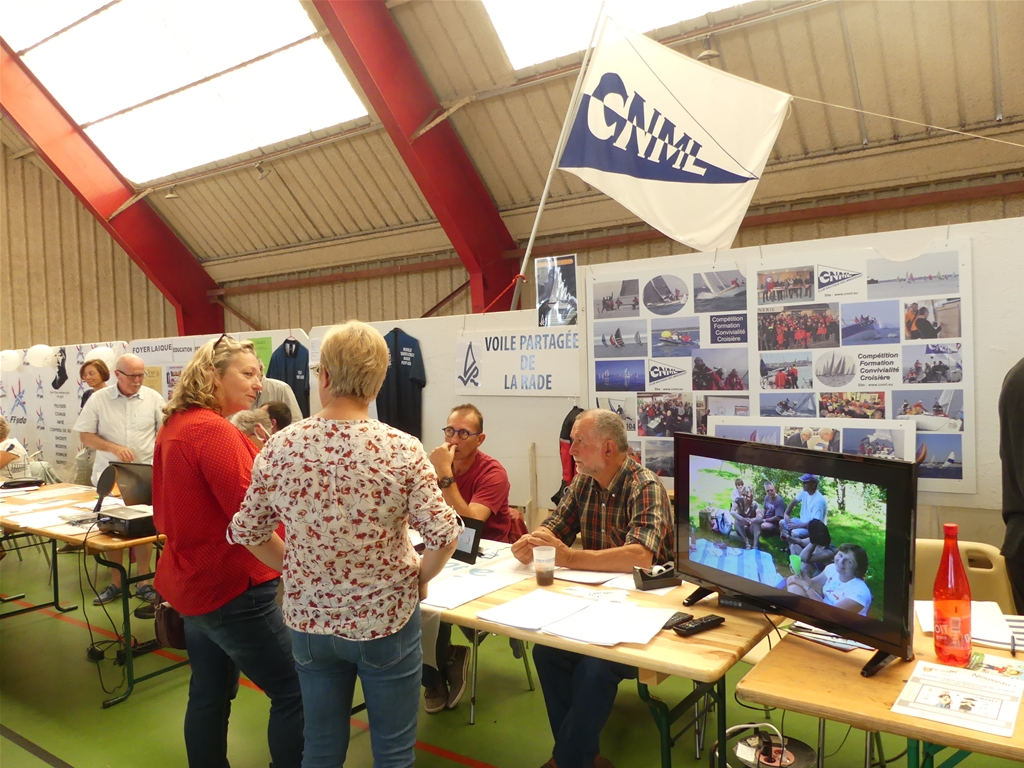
column 355, row 357
column 5, row 429
column 196, row 385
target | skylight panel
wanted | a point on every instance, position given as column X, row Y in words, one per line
column 535, row 31
column 138, row 49
column 289, row 94
column 25, row 23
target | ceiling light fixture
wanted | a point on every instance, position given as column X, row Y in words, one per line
column 708, row 53
column 171, row 194
column 263, row 172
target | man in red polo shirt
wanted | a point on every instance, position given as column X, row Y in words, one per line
column 475, row 485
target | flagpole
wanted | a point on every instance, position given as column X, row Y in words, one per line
column 573, row 103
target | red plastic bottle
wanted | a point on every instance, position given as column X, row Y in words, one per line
column 952, row 596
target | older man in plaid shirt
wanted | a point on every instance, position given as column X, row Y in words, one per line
column 621, row 510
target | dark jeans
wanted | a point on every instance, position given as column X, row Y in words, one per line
column 246, row 634
column 388, row 669
column 579, row 692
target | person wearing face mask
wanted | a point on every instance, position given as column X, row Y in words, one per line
column 202, row 467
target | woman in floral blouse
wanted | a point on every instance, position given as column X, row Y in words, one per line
column 346, row 488
column 201, row 471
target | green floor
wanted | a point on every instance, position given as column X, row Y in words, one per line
column 50, row 698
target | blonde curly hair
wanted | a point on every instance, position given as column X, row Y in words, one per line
column 195, row 388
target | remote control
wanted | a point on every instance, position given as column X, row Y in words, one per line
column 698, row 625
column 677, row 618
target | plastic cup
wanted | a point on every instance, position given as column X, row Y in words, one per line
column 795, row 564
column 544, row 565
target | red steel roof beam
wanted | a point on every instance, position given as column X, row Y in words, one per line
column 145, row 237
column 398, row 91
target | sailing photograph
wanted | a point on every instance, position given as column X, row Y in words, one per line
column 940, row 456
column 675, row 338
column 659, row 457
column 785, row 285
column 851, row 405
column 835, row 368
column 932, row 410
column 776, row 404
column 749, row 434
column 932, row 319
column 932, row 364
column 619, row 375
column 556, row 291
column 879, row 443
column 786, row 370
column 618, row 298
column 620, row 338
column 925, row 275
column 812, row 438
column 662, row 414
column 624, row 406
column 719, row 290
column 721, row 369
column 665, row 295
column 871, row 322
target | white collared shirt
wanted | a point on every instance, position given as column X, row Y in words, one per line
column 129, row 421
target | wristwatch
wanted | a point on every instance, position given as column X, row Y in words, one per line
column 444, row 482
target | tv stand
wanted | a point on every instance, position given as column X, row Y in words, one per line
column 698, row 594
column 879, row 660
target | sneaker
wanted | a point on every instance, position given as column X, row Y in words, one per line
column 435, row 698
column 516, row 646
column 147, row 593
column 457, row 673
column 147, row 611
column 108, row 595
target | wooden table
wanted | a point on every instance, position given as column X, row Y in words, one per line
column 97, row 544
column 809, row 678
column 703, row 658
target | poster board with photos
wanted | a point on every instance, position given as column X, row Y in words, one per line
column 828, row 334
column 878, row 438
column 41, row 404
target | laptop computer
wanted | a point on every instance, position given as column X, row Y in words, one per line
column 135, row 481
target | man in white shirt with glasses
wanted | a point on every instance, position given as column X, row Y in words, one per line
column 121, row 423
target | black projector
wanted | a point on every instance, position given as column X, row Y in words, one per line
column 129, row 522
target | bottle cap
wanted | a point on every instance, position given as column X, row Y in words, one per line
column 950, row 528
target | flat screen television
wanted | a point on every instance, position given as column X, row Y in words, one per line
column 854, row 578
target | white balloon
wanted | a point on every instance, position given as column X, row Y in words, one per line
column 41, row 356
column 10, row 360
column 106, row 354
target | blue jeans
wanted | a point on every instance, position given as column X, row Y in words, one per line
column 246, row 634
column 579, row 692
column 389, row 670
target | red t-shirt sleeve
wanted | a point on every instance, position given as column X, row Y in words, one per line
column 491, row 489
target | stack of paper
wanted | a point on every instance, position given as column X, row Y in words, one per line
column 576, row 618
column 988, row 625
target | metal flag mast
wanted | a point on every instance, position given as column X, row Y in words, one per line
column 573, row 105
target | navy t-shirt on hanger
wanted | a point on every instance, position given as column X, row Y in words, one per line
column 290, row 364
column 400, row 402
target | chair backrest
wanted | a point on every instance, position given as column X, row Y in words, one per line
column 986, row 572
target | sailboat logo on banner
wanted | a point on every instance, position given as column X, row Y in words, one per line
column 677, row 142
column 470, row 369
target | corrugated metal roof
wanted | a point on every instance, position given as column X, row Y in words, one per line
column 952, row 64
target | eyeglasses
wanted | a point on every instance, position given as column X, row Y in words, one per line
column 132, row 376
column 315, row 369
column 464, row 434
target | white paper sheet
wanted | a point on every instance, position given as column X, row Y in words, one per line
column 534, row 610
column 606, row 623
column 988, row 627
column 585, row 577
column 48, row 518
column 468, row 585
column 56, row 493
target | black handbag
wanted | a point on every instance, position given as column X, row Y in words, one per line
column 170, row 627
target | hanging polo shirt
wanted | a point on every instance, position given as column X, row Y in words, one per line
column 129, row 421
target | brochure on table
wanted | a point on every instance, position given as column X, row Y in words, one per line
column 840, row 335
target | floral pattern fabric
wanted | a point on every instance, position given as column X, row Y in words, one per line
column 346, row 492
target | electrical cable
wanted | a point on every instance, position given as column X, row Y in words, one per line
column 99, row 647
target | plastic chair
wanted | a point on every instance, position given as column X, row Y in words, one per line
column 986, row 571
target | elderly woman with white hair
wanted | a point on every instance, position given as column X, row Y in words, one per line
column 347, row 488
